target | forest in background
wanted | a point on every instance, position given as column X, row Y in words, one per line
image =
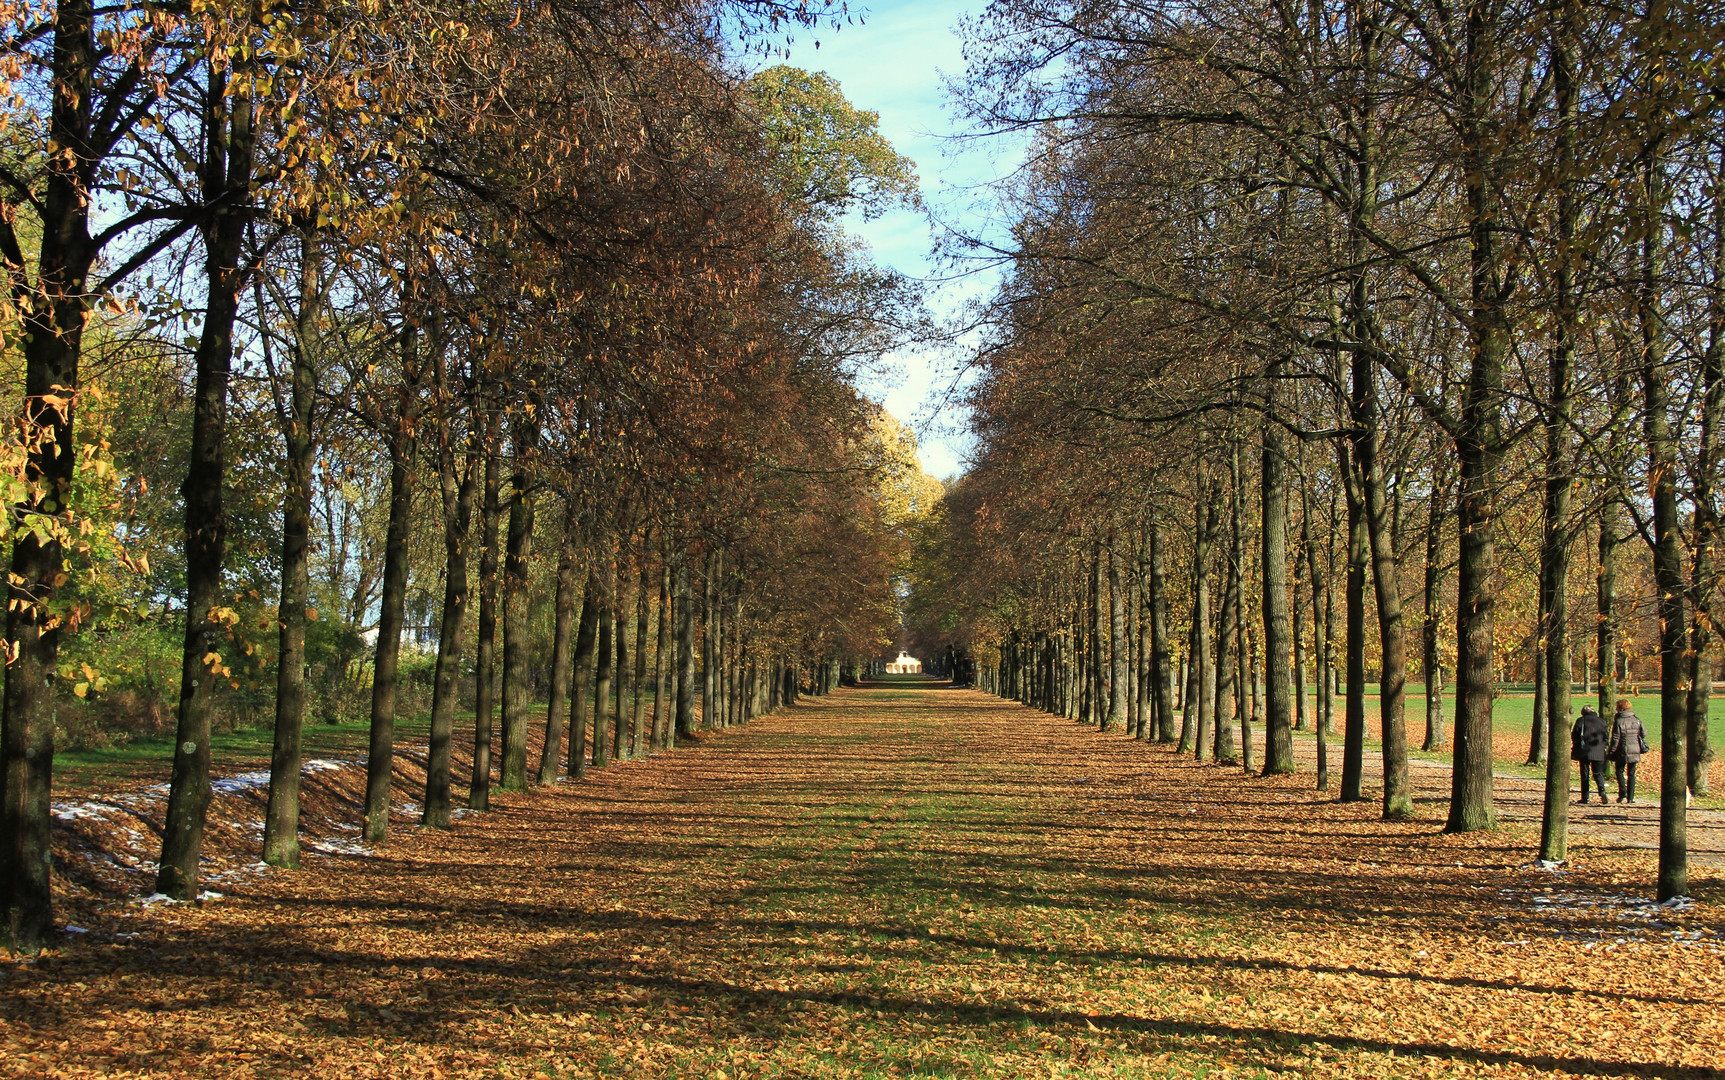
column 376, row 360
column 1343, row 344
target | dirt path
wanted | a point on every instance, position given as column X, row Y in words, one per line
column 895, row 881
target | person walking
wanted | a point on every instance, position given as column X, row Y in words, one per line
column 1628, row 743
column 1587, row 745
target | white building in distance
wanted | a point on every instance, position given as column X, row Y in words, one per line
column 906, row 664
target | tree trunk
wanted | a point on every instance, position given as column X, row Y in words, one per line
column 281, row 814
column 1536, row 731
column 392, row 603
column 607, row 574
column 637, row 711
column 683, row 615
column 1354, row 724
column 624, row 687
column 227, row 187
column 485, row 650
column 1117, row 685
column 53, row 329
column 517, row 627
column 1228, row 687
column 581, row 667
column 1160, row 675
column 1479, row 444
column 562, row 627
column 1430, row 665
column 1278, row 629
column 1208, row 521
column 457, row 518
column 662, row 726
column 1704, row 573
column 1668, row 580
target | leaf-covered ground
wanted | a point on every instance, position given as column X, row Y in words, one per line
column 900, row 881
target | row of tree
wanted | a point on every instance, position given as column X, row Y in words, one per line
column 1300, row 297
column 313, row 309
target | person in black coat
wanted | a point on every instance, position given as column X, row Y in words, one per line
column 1587, row 743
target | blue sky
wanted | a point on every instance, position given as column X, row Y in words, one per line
column 894, row 63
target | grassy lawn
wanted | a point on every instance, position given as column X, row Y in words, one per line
column 1512, row 722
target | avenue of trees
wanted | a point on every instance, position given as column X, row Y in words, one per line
column 1349, row 344
column 461, row 358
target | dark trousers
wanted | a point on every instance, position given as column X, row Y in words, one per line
column 1625, row 781
column 1594, row 771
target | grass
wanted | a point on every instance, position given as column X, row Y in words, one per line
column 149, row 759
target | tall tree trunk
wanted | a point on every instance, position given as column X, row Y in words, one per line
column 1116, row 641
column 663, row 729
column 1704, row 570
column 562, row 628
column 53, row 329
column 457, row 500
column 281, row 814
column 683, row 605
column 1228, row 687
column 607, row 574
column 1556, row 533
column 638, row 705
column 1354, row 724
column 1278, row 629
column 1537, row 730
column 1160, row 675
column 1207, row 522
column 485, row 649
column 392, row 601
column 1431, row 666
column 581, row 666
column 624, row 687
column 709, row 644
column 517, row 627
column 227, row 187
column 1387, row 590
column 1479, row 438
column 1667, row 543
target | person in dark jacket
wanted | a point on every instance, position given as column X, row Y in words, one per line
column 1628, row 743
column 1587, row 745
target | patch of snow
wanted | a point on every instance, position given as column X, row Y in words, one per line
column 70, row 929
column 240, row 783
column 208, row 894
column 156, row 898
column 85, row 811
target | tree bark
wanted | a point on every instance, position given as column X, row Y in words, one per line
column 227, row 186
column 581, row 667
column 663, row 729
column 1278, row 706
column 1667, row 544
column 1160, row 674
column 517, row 630
column 457, row 498
column 1117, row 654
column 392, row 602
column 638, row 706
column 53, row 330
column 281, row 813
column 485, row 654
column 1430, row 665
column 562, row 628
column 1354, row 723
column 683, row 604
